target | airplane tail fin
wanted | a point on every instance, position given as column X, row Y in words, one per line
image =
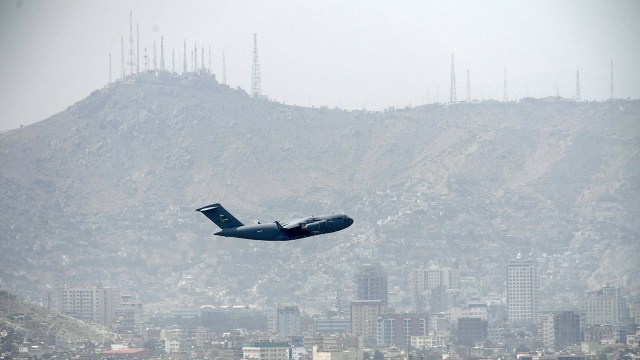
column 220, row 216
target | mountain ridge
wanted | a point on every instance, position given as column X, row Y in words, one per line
column 115, row 177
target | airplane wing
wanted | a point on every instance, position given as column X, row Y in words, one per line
column 298, row 223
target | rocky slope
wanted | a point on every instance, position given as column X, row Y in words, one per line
column 20, row 320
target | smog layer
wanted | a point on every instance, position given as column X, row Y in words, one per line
column 105, row 191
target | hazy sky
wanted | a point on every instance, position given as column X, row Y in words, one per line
column 350, row 54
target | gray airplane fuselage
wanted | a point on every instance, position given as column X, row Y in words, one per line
column 272, row 232
column 292, row 230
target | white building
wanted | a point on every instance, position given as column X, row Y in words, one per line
column 343, row 354
column 171, row 345
column 522, row 292
column 604, row 306
column 92, row 304
column 263, row 350
column 434, row 339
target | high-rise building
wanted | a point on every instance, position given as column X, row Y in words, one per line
column 128, row 315
column 397, row 329
column 371, row 283
column 364, row 319
column 424, row 279
column 289, row 323
column 94, row 304
column 560, row 330
column 604, row 306
column 522, row 292
column 430, row 288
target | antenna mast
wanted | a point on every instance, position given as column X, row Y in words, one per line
column 184, row 64
column 109, row 68
column 578, row 97
column 146, row 60
column 224, row 70
column 155, row 57
column 468, row 88
column 162, row 67
column 505, row 91
column 452, row 95
column 611, row 79
column 195, row 57
column 255, row 75
column 138, row 48
column 131, row 43
column 122, row 51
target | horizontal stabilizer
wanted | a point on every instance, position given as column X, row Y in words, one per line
column 220, row 216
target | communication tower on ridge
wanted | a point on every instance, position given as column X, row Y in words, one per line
column 131, row 51
column 611, row 79
column 184, row 63
column 506, row 90
column 468, row 87
column 578, row 98
column 138, row 49
column 155, row 57
column 195, row 57
column 162, row 67
column 224, row 70
column 109, row 68
column 122, row 60
column 452, row 95
column 256, row 91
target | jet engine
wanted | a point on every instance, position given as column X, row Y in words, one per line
column 315, row 227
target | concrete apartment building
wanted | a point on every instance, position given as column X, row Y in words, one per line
column 93, row 304
column 560, row 330
column 370, row 283
column 522, row 292
column 364, row 319
column 604, row 306
column 288, row 321
column 397, row 329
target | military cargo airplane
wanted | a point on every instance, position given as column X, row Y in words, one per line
column 292, row 230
